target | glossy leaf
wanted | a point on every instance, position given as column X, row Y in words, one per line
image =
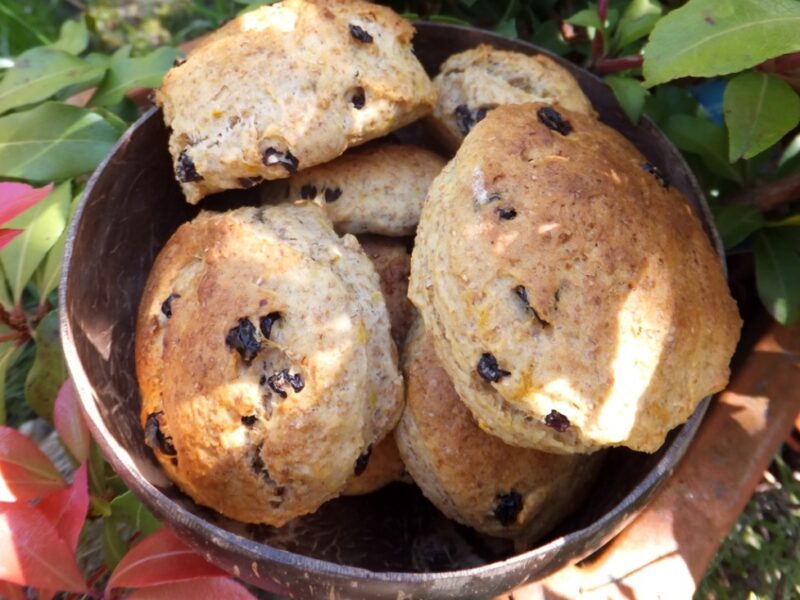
column 700, row 136
column 67, row 508
column 41, row 72
column 25, row 472
column 127, row 73
column 53, row 142
column 128, row 508
column 48, row 274
column 73, row 37
column 42, row 224
column 778, row 276
column 736, row 222
column 206, row 588
column 33, row 552
column 630, row 94
column 587, row 17
column 759, row 110
column 637, row 21
column 114, row 546
column 70, row 424
column 49, row 370
column 160, row 558
column 16, row 198
column 705, row 38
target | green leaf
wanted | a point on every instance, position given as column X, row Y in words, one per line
column 126, row 73
column 53, row 142
column 49, row 370
column 637, row 21
column 705, row 38
column 114, row 546
column 790, row 158
column 42, row 223
column 700, row 136
column 736, row 222
column 129, row 509
column 73, row 37
column 548, row 36
column 49, row 272
column 507, row 28
column 9, row 350
column 790, row 221
column 587, row 17
column 97, row 470
column 759, row 110
column 778, row 276
column 630, row 93
column 41, row 72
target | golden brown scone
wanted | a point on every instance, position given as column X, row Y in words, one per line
column 378, row 189
column 570, row 292
column 474, row 477
column 380, row 466
column 289, row 86
column 392, row 261
column 264, row 360
column 473, row 82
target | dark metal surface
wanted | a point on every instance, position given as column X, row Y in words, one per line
column 392, row 544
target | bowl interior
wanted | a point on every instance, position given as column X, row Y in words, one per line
column 133, row 205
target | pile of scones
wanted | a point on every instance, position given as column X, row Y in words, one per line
column 561, row 297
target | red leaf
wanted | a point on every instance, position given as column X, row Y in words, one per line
column 205, row 588
column 16, row 198
column 69, row 422
column 33, row 553
column 67, row 508
column 10, row 591
column 6, row 235
column 25, row 471
column 160, row 558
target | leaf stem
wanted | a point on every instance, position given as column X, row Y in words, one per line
column 770, row 195
column 606, row 65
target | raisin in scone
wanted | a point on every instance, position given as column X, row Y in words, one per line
column 289, row 86
column 473, row 82
column 379, row 466
column 474, row 477
column 570, row 291
column 264, row 360
column 377, row 189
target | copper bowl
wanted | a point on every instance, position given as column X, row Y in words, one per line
column 391, row 544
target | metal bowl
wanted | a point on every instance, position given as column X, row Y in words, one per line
column 391, row 544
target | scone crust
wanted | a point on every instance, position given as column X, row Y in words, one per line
column 378, row 188
column 289, row 86
column 256, row 447
column 469, row 474
column 483, row 77
column 566, row 260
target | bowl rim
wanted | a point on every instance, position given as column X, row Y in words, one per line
column 611, row 522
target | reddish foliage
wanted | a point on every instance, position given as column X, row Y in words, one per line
column 16, row 198
column 205, row 588
column 10, row 591
column 70, row 424
column 67, row 508
column 160, row 558
column 25, row 471
column 6, row 235
column 33, row 553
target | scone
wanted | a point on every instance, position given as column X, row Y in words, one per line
column 265, row 361
column 569, row 290
column 474, row 477
column 378, row 467
column 473, row 82
column 378, row 189
column 289, row 86
column 392, row 261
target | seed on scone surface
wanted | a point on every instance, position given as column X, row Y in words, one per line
column 489, row 369
column 553, row 120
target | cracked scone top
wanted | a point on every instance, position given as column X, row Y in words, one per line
column 569, row 290
column 289, row 86
column 265, row 361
